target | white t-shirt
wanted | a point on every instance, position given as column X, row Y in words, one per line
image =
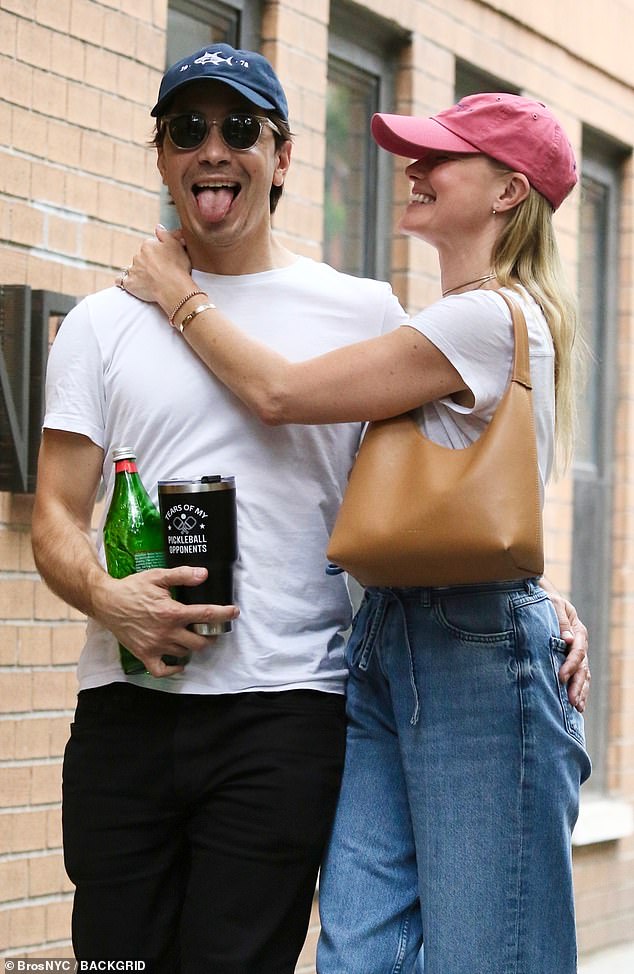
column 121, row 376
column 475, row 333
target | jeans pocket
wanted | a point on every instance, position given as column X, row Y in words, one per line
column 482, row 617
column 573, row 721
column 364, row 630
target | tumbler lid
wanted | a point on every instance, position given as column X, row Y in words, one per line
column 197, row 485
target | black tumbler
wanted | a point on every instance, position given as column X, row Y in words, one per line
column 200, row 529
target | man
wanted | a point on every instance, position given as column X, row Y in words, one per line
column 197, row 798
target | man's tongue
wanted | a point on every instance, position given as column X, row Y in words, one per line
column 214, row 203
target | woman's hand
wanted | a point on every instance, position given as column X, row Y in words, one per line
column 160, row 270
column 575, row 672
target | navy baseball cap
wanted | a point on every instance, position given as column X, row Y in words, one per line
column 247, row 71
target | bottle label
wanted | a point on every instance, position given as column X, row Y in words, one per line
column 125, row 466
column 148, row 559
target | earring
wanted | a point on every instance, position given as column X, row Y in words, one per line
column 494, row 211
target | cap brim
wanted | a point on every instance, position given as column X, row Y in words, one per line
column 407, row 135
column 256, row 99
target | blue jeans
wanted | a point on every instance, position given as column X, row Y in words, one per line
column 460, row 791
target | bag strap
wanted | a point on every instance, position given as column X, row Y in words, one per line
column 521, row 358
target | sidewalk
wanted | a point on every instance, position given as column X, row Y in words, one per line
column 614, row 960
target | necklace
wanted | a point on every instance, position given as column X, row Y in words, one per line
column 477, row 280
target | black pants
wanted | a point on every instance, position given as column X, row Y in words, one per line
column 194, row 825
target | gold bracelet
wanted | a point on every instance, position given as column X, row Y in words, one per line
column 192, row 294
column 192, row 314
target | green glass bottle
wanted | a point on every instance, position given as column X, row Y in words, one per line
column 132, row 533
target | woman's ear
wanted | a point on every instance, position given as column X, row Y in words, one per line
column 516, row 188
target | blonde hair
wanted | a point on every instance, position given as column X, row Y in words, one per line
column 526, row 252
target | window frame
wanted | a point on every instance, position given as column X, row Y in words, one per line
column 593, row 484
column 376, row 54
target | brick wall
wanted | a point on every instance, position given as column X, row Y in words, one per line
column 78, row 189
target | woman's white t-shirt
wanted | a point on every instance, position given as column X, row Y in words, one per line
column 475, row 332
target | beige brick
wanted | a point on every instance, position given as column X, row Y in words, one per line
column 48, row 187
column 46, row 783
column 14, row 879
column 101, row 68
column 7, row 34
column 9, row 550
column 75, row 280
column 5, row 220
column 54, row 13
column 34, row 646
column 63, row 234
column 4, row 926
column 15, row 175
column 71, row 690
column 15, row 692
column 67, row 56
column 129, row 163
column 86, row 21
column 124, row 245
column 27, row 225
column 7, row 740
column 96, row 243
column 63, row 144
column 15, row 786
column 32, row 739
column 115, row 115
column 83, row 106
column 6, row 832
column 135, row 81
column 29, row 132
column 82, row 196
column 68, row 641
column 47, row 604
column 45, row 875
column 27, row 561
column 58, row 920
column 59, row 728
column 29, row 831
column 46, row 273
column 49, row 690
column 16, row 82
column 145, row 11
column 97, row 153
column 6, row 118
column 27, row 925
column 119, row 33
column 33, row 43
column 150, row 50
column 21, row 509
column 54, row 828
column 13, row 264
column 49, row 94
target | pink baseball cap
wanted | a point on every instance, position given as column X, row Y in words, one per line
column 519, row 132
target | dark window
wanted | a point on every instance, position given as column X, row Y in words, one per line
column 593, row 469
column 363, row 51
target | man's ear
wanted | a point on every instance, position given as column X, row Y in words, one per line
column 160, row 163
column 283, row 161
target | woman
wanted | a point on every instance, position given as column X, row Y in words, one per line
column 464, row 757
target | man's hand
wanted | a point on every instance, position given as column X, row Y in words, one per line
column 141, row 613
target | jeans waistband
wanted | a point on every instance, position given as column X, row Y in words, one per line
column 427, row 593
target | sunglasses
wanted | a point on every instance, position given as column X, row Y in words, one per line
column 239, row 130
